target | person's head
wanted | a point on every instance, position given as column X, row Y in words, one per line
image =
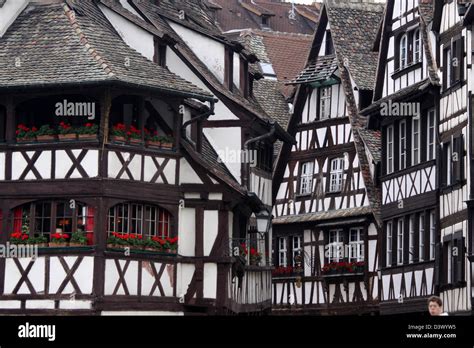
column 435, row 305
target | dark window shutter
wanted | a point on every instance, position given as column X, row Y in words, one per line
column 460, row 150
column 444, row 165
column 460, row 262
column 437, row 269
column 458, row 53
column 446, row 66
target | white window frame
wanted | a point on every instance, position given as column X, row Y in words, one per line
column 307, row 173
column 282, row 252
column 336, row 246
column 389, row 231
column 390, row 149
column 297, row 247
column 417, row 48
column 404, row 51
column 431, row 125
column 403, row 145
column 421, row 240
column 356, row 246
column 432, row 235
column 400, row 238
column 411, row 241
column 325, row 102
column 449, row 68
column 415, row 143
column 336, row 175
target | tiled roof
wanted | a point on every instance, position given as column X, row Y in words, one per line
column 373, row 142
column 267, row 92
column 322, row 216
column 354, row 27
column 403, row 93
column 321, row 70
column 234, row 16
column 286, row 52
column 153, row 14
column 55, row 46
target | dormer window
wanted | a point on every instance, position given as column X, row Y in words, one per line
column 160, row 53
column 264, row 21
column 329, row 48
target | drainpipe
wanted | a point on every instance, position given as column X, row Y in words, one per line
column 200, row 117
column 245, row 176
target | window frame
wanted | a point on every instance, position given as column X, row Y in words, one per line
column 415, row 143
column 306, row 178
column 390, row 149
column 389, row 243
column 431, row 132
column 403, row 52
column 358, row 243
column 336, row 176
column 400, row 240
column 402, row 145
column 336, row 247
column 324, row 107
column 417, row 54
column 282, row 252
column 421, row 237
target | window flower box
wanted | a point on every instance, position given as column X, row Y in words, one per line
column 78, row 239
column 343, row 268
column 25, row 134
column 45, row 134
column 67, row 137
column 66, row 132
column 87, row 132
column 137, row 242
column 59, row 240
column 118, row 139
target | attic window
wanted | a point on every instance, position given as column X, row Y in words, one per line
column 160, row 53
column 329, row 48
column 264, row 21
column 268, row 71
column 229, row 68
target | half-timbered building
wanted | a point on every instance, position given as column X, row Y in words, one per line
column 406, row 110
column 325, row 227
column 454, row 58
column 141, row 68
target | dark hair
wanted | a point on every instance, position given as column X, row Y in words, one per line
column 435, row 299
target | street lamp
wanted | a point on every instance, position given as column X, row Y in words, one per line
column 263, row 221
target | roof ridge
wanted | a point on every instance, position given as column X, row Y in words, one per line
column 71, row 15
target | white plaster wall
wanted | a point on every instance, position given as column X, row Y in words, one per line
column 9, row 12
column 211, row 222
column 133, row 35
column 209, row 51
column 210, row 280
column 187, row 231
column 187, row 175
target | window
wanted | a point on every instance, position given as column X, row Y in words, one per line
column 415, row 145
column 244, row 77
column 454, row 259
column 411, row 244
column 282, row 261
column 453, row 161
column 325, row 102
column 421, row 250
column 335, row 180
column 403, row 145
column 389, row 230
column 264, row 21
column 389, row 149
column 146, row 220
column 329, row 48
column 432, row 235
column 400, row 235
column 46, row 217
column 229, row 68
column 449, row 166
column 297, row 249
column 431, row 153
column 336, row 244
column 264, row 158
column 160, row 53
column 416, row 46
column 307, row 171
column 448, row 68
column 403, row 51
column 356, row 245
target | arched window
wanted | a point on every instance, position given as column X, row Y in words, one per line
column 144, row 219
column 403, row 51
column 42, row 218
column 416, row 46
